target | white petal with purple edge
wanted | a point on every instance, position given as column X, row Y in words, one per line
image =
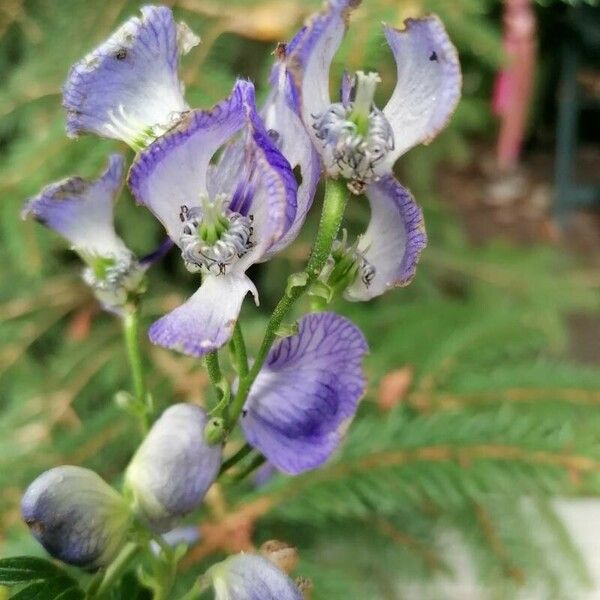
column 206, row 321
column 428, row 85
column 82, row 210
column 251, row 577
column 175, row 170
column 129, row 88
column 283, row 122
column 311, row 53
column 308, row 389
column 172, row 171
column 393, row 241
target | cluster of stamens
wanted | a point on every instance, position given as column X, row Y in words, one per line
column 349, row 262
column 113, row 279
column 356, row 137
column 213, row 238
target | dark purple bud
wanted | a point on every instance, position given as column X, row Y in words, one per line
column 76, row 516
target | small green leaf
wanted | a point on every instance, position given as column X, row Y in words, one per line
column 321, row 290
column 23, row 569
column 59, row 588
column 287, row 329
column 43, row 579
column 295, row 280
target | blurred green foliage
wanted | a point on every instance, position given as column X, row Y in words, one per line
column 495, row 410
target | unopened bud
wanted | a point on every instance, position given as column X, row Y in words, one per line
column 76, row 516
column 173, row 468
column 249, row 577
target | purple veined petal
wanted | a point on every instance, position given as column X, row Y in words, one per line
column 81, row 210
column 173, row 468
column 283, row 122
column 393, row 241
column 172, row 171
column 310, row 55
column 206, row 321
column 428, row 85
column 306, row 392
column 251, row 577
column 76, row 516
column 129, row 88
column 260, row 180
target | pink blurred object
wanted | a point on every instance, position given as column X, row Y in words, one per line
column 514, row 84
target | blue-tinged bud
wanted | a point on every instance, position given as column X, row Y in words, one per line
column 76, row 516
column 251, row 577
column 173, row 468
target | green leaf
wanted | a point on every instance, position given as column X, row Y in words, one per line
column 44, row 580
column 23, row 569
column 60, row 588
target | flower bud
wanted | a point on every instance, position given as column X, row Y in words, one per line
column 173, row 468
column 76, row 516
column 251, row 577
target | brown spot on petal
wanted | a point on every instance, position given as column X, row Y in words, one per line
column 36, row 527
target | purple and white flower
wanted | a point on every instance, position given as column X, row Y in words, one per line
column 250, row 577
column 82, row 212
column 129, row 88
column 361, row 143
column 173, row 468
column 224, row 215
column 306, row 393
column 76, row 516
column 281, row 115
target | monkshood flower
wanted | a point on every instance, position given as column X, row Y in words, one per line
column 173, row 468
column 81, row 211
column 76, row 516
column 129, row 88
column 223, row 216
column 251, row 577
column 360, row 142
column 306, row 393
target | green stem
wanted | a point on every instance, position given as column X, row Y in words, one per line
column 235, row 458
column 256, row 462
column 214, row 369
column 334, row 204
column 116, row 569
column 239, row 350
column 131, row 327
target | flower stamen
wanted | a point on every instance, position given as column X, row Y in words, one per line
column 355, row 137
column 213, row 238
